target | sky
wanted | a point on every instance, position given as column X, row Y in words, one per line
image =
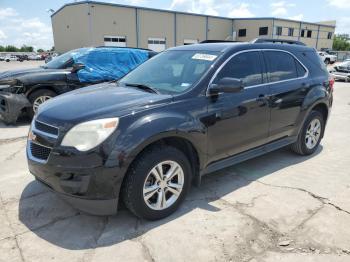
column 28, row 21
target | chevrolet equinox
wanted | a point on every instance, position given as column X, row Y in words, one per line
column 184, row 113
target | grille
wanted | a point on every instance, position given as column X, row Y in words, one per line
column 46, row 128
column 39, row 151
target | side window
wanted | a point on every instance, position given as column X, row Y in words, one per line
column 245, row 66
column 282, row 66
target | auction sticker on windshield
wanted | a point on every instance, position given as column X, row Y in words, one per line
column 206, row 57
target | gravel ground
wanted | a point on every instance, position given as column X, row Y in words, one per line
column 278, row 207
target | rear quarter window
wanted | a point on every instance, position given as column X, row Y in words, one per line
column 314, row 62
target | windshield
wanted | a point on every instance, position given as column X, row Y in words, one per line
column 171, row 72
column 65, row 60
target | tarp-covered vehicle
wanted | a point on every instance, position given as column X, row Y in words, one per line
column 24, row 90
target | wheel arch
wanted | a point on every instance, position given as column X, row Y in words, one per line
column 178, row 141
column 323, row 109
column 35, row 88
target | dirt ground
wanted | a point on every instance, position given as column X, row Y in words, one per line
column 278, row 207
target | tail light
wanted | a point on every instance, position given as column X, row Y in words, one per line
column 331, row 83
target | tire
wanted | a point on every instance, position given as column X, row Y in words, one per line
column 36, row 95
column 139, row 175
column 303, row 146
column 327, row 61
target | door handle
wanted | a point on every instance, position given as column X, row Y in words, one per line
column 261, row 98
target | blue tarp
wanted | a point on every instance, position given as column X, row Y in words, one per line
column 106, row 64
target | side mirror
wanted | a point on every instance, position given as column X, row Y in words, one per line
column 227, row 85
column 77, row 67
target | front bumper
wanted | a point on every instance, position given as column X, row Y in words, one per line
column 92, row 190
column 11, row 106
column 89, row 181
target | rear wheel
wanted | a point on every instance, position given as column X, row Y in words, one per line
column 157, row 182
column 37, row 98
column 310, row 135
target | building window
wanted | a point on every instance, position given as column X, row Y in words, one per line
column 279, row 30
column 157, row 44
column 263, row 30
column 190, row 41
column 329, row 36
column 302, row 33
column 290, row 31
column 115, row 41
column 309, row 33
column 242, row 32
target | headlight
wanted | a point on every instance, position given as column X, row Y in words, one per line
column 90, row 134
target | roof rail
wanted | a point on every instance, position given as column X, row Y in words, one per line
column 217, row 41
column 277, row 41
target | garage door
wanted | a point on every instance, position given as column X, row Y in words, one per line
column 115, row 41
column 157, row 44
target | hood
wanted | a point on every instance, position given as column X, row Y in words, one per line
column 17, row 73
column 97, row 101
column 34, row 75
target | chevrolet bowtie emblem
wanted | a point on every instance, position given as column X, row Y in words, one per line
column 31, row 136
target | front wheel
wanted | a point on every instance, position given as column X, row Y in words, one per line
column 37, row 98
column 157, row 182
column 310, row 135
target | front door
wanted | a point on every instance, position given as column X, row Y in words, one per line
column 241, row 119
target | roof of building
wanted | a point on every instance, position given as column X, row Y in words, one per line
column 186, row 13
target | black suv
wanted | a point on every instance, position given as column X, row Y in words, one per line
column 186, row 112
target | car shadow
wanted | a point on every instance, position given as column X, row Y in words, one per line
column 56, row 222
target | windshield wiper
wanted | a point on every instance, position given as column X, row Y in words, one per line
column 144, row 87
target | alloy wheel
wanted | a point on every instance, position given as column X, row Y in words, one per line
column 163, row 185
column 38, row 101
column 313, row 133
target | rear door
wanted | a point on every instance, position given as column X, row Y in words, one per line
column 289, row 85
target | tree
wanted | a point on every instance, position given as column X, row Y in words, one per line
column 2, row 49
column 25, row 48
column 11, row 48
column 40, row 50
column 340, row 43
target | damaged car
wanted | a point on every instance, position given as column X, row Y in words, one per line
column 23, row 91
column 341, row 71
